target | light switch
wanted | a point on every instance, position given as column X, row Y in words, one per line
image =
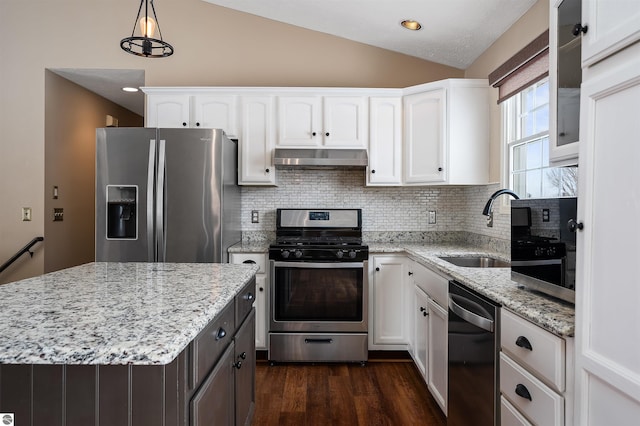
column 26, row 214
column 58, row 215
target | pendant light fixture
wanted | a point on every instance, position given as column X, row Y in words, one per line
column 145, row 44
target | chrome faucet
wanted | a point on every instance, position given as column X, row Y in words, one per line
column 487, row 207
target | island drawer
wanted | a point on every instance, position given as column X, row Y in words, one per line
column 244, row 301
column 529, row 395
column 211, row 342
column 536, row 349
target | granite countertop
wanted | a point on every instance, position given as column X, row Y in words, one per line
column 250, row 247
column 114, row 313
column 494, row 283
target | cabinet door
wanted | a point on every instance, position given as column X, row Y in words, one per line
column 214, row 401
column 385, row 141
column 607, row 347
column 345, row 122
column 168, row 111
column 420, row 330
column 437, row 370
column 391, row 301
column 612, row 25
column 425, row 137
column 245, row 371
column 257, row 141
column 215, row 112
column 299, row 119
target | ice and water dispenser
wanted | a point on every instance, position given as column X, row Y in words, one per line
column 122, row 212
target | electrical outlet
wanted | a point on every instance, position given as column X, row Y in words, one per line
column 432, row 217
column 255, row 216
column 26, row 214
column 545, row 215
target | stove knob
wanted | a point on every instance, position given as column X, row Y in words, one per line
column 285, row 253
column 352, row 254
column 339, row 254
column 298, row 254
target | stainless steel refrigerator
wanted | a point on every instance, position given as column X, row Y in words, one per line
column 166, row 195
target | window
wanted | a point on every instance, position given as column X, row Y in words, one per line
column 526, row 133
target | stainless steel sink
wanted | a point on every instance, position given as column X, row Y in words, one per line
column 477, row 262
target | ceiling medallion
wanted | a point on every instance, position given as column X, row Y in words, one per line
column 145, row 44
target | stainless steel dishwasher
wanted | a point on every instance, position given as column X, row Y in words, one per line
column 473, row 358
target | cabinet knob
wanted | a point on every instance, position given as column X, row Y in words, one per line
column 238, row 365
column 377, row 269
column 524, row 343
column 373, row 171
column 221, row 333
column 184, row 124
column 313, row 134
column 326, row 134
column 422, row 309
column 574, row 225
column 261, row 288
column 197, row 124
column 410, row 273
column 267, row 170
column 578, row 28
column 522, row 391
column 249, row 297
column 439, row 169
column 424, row 314
column 243, row 355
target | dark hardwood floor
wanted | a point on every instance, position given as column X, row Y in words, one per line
column 380, row 393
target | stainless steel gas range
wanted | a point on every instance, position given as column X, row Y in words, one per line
column 319, row 287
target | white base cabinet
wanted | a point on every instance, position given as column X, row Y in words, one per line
column 262, row 293
column 390, row 303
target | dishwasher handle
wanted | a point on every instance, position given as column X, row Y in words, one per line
column 471, row 317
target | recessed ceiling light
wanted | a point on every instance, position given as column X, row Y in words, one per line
column 130, row 89
column 410, row 24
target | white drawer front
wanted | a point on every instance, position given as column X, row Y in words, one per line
column 546, row 358
column 510, row 416
column 545, row 407
column 257, row 258
column 435, row 285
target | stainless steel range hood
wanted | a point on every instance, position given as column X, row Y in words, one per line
column 320, row 158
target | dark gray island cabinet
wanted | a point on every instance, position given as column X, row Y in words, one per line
column 211, row 380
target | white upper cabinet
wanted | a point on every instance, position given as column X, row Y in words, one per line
column 385, row 141
column 611, row 26
column 170, row 108
column 256, row 141
column 565, row 77
column 322, row 121
column 446, row 133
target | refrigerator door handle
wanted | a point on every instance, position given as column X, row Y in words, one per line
column 160, row 213
column 151, row 248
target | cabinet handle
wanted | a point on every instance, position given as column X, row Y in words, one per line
column 184, row 124
column 439, row 169
column 422, row 309
column 249, row 297
column 220, row 333
column 523, row 342
column 424, row 314
column 261, row 289
column 313, row 133
column 267, row 170
column 522, row 391
column 377, row 269
column 238, row 365
column 410, row 273
column 373, row 171
column 197, row 124
column 249, row 261
column 574, row 225
column 243, row 355
column 326, row 134
column 578, row 28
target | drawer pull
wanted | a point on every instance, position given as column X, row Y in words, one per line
column 318, row 340
column 522, row 391
column 523, row 342
column 250, row 261
column 220, row 333
column 243, row 355
column 249, row 297
column 238, row 365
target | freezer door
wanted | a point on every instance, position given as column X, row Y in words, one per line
column 125, row 184
column 190, row 190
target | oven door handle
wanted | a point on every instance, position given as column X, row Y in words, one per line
column 536, row 262
column 319, row 265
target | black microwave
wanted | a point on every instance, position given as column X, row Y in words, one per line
column 543, row 245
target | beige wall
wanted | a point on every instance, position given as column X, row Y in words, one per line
column 214, row 46
column 72, row 114
column 528, row 27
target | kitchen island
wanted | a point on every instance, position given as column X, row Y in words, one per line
column 128, row 343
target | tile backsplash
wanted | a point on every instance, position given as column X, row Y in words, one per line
column 385, row 210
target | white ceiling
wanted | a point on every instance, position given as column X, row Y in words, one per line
column 454, row 32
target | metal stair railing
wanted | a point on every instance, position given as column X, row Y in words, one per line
column 23, row 250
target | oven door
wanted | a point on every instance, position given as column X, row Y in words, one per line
column 318, row 296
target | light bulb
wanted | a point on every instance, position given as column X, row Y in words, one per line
column 147, row 26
